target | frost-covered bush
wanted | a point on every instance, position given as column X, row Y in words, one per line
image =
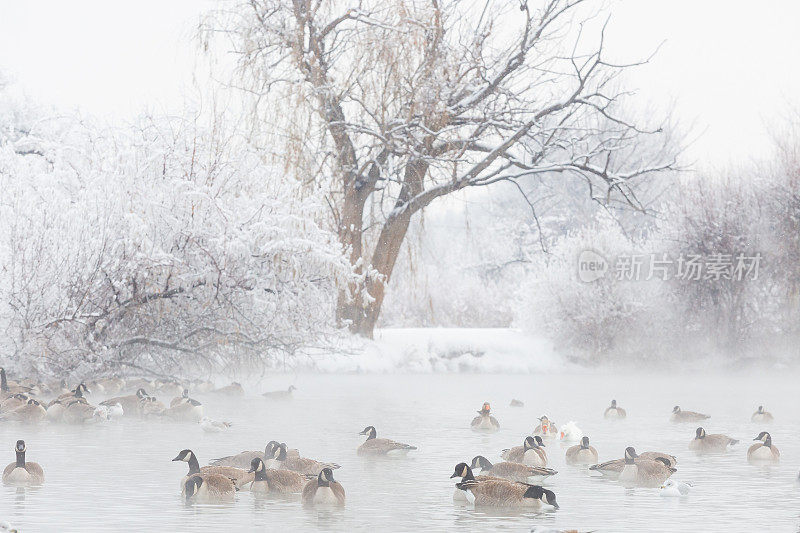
column 167, row 247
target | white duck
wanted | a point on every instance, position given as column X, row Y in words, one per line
column 212, row 426
column 675, row 489
column 570, row 432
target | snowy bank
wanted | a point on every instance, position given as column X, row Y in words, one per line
column 495, row 350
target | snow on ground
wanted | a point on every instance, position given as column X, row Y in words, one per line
column 493, row 350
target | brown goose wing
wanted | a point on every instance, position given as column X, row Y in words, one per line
column 284, row 481
column 238, row 476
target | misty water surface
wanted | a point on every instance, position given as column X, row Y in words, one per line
column 119, row 477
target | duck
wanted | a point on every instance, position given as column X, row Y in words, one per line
column 644, row 472
column 614, row 413
column 271, row 481
column 240, row 477
column 485, row 421
column 129, row 403
column 531, row 453
column 761, row 416
column 674, row 489
column 496, row 492
column 280, row 394
column 714, row 443
column 679, row 415
column 234, row 389
column 21, row 472
column 386, row 447
column 546, row 428
column 612, row 469
column 212, row 426
column 209, row 488
column 581, row 454
column 512, row 471
column 301, row 465
column 570, row 432
column 324, row 490
column 763, row 451
column 31, row 412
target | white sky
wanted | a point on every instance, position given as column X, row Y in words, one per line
column 730, row 66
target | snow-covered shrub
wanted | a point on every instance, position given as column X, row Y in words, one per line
column 167, row 247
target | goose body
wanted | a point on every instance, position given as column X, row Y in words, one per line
column 130, row 404
column 612, row 469
column 531, row 453
column 323, row 490
column 581, row 454
column 678, row 415
column 280, row 394
column 150, row 407
column 240, row 477
column 30, row 413
column 485, row 421
column 374, row 446
column 79, row 412
column 234, row 389
column 271, row 481
column 208, row 488
column 512, row 471
column 763, row 451
column 301, row 465
column 494, row 492
column 761, row 416
column 614, row 413
column 190, row 410
column 22, row 472
column 244, row 459
column 644, row 472
column 714, row 443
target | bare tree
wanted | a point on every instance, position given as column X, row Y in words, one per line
column 393, row 104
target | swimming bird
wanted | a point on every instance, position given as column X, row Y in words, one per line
column 464, row 471
column 761, row 416
column 764, row 451
column 324, row 490
column 78, row 411
column 180, row 399
column 581, row 454
column 239, row 476
column 210, row 488
column 612, row 469
column 679, row 415
column 23, row 472
column 375, row 446
column 18, row 399
column 150, row 407
column 714, row 443
column 485, row 421
column 30, row 412
column 212, row 426
column 280, row 394
column 570, row 432
column 301, row 465
column 495, row 492
column 234, row 389
column 8, row 387
column 189, row 410
column 130, row 403
column 546, row 428
column 531, row 453
column 78, row 392
column 271, row 481
column 513, row 471
column 674, row 489
column 614, row 412
column 644, row 472
column 244, row 459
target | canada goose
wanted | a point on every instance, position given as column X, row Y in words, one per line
column 234, row 389
column 496, row 492
column 705, row 443
column 18, row 399
column 239, row 476
column 375, row 446
column 644, row 472
column 7, row 387
column 208, row 488
column 57, row 388
column 78, row 392
column 513, row 471
column 77, row 411
column 130, row 403
column 151, row 407
column 581, row 454
column 274, row 481
column 22, row 472
column 570, row 432
column 464, row 471
column 30, row 412
column 546, row 428
column 180, row 399
column 485, row 421
column 761, row 416
column 531, row 447
column 612, row 469
column 686, row 416
column 280, row 394
column 614, row 412
column 324, row 490
column 674, row 489
column 517, row 403
column 212, row 426
column 244, row 459
column 764, row 451
column 190, row 410
column 301, row 465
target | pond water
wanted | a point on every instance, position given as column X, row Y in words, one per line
column 119, row 476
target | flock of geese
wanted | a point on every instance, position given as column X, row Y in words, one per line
column 517, row 481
